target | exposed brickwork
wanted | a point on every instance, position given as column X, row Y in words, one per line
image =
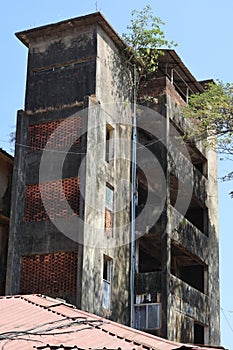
column 49, row 274
column 108, row 222
column 158, row 86
column 40, row 134
column 54, row 197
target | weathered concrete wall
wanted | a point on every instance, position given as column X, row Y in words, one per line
column 110, row 107
column 179, row 164
column 84, row 66
column 61, row 68
column 113, row 81
column 203, row 246
column 96, row 244
column 183, row 305
column 188, row 236
column 17, row 207
column 40, row 236
column 149, row 282
column 61, row 71
column 186, row 306
column 213, row 249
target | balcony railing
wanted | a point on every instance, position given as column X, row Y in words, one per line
column 185, row 166
column 188, row 300
column 188, row 235
column 148, row 282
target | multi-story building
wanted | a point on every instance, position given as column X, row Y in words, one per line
column 71, row 233
column 6, row 170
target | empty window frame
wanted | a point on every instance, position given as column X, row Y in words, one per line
column 109, row 143
column 109, row 207
column 107, row 279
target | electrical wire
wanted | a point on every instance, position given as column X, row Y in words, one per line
column 227, row 321
column 18, row 335
column 32, row 331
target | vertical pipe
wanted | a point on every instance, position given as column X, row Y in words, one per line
column 187, row 95
column 134, row 196
column 172, row 77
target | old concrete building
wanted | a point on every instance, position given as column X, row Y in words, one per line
column 71, row 226
column 6, row 170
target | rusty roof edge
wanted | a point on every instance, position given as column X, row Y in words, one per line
column 145, row 339
column 184, row 68
column 60, row 346
column 118, row 325
column 92, row 18
column 199, row 347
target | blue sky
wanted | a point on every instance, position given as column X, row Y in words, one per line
column 203, row 30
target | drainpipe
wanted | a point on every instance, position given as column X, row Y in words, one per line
column 134, row 198
column 172, row 75
column 187, row 95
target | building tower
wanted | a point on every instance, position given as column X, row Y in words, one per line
column 70, row 227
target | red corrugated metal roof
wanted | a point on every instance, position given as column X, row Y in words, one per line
column 37, row 322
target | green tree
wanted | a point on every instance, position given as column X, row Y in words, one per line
column 145, row 40
column 212, row 114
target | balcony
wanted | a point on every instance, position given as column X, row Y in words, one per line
column 186, row 299
column 185, row 168
column 187, row 235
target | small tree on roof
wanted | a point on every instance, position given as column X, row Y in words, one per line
column 212, row 114
column 145, row 40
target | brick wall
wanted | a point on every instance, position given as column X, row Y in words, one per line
column 39, row 134
column 108, row 222
column 34, row 208
column 158, row 86
column 51, row 274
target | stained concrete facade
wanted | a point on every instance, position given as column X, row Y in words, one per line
column 76, row 133
column 177, row 258
column 6, row 169
column 66, row 89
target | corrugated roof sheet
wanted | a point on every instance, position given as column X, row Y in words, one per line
column 170, row 60
column 37, row 322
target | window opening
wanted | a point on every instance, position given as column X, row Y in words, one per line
column 109, row 141
column 109, row 206
column 107, row 278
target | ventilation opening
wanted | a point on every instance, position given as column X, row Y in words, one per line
column 199, row 334
column 109, row 143
column 149, row 258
